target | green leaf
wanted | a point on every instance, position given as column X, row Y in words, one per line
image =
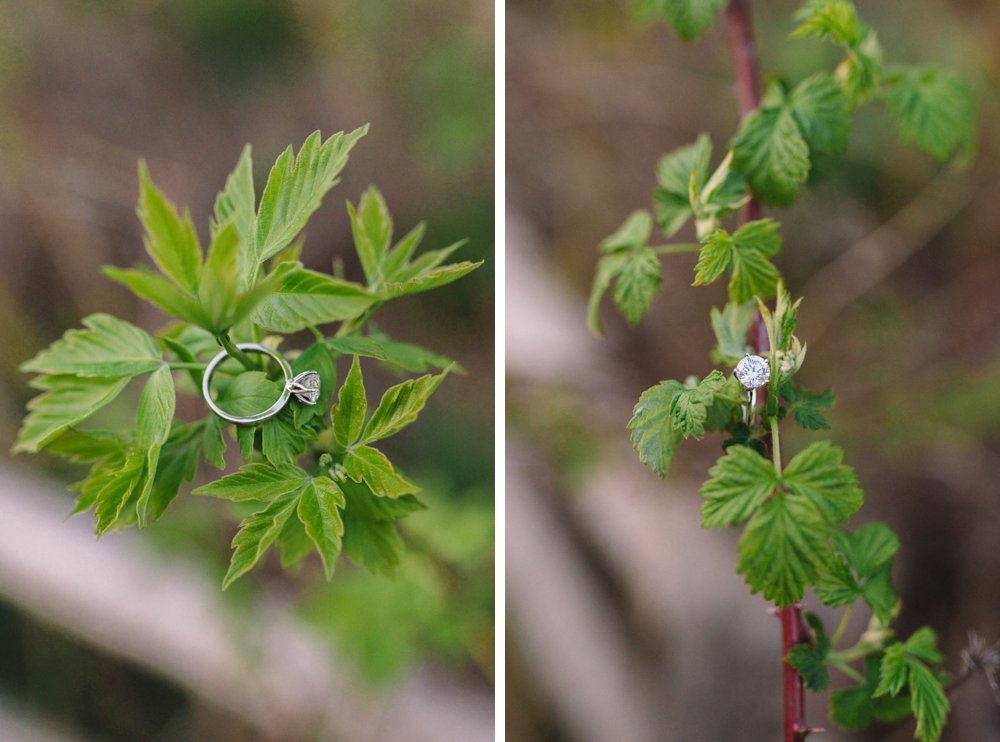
column 861, row 71
column 674, row 174
column 370, row 536
column 282, row 442
column 869, row 548
column 64, row 402
column 295, row 188
column 731, row 327
column 219, row 288
column 746, row 253
column 863, row 571
column 248, row 393
column 834, row 20
column 371, row 466
column 170, row 240
column 806, row 406
column 934, row 110
column 256, row 534
column 410, row 357
column 256, row 482
column 319, row 511
column 85, row 446
column 319, row 358
column 304, row 298
column 854, row 708
column 741, row 481
column 894, row 670
column 772, row 155
column 158, row 291
column 783, row 548
column 428, row 279
column 688, row 18
column 820, row 110
column 653, row 433
column 780, row 324
column 639, row 280
column 929, row 702
column 399, row 256
column 236, row 204
column 153, row 420
column 352, row 407
column 108, row 348
column 371, row 225
column 122, row 488
column 633, row 233
column 922, row 644
column 178, row 463
column 214, row 444
column 819, row 476
column 294, row 543
column 809, row 660
column 608, row 267
column 400, row 406
column 689, row 408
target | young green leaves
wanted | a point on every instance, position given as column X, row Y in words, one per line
column 688, row 18
column 906, row 664
column 634, row 268
column 861, row 569
column 785, row 544
column 745, row 254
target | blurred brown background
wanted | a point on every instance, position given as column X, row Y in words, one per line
column 627, row 622
column 130, row 639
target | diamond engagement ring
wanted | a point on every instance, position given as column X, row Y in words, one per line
column 304, row 386
column 752, row 372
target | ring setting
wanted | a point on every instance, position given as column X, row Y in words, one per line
column 753, row 372
column 305, row 387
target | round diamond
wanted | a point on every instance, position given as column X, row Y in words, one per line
column 753, row 371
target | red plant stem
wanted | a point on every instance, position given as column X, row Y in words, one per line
column 739, row 29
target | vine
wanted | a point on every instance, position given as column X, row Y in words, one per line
column 795, row 513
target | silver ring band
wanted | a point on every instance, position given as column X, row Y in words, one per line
column 305, row 386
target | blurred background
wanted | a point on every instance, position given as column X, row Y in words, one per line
column 131, row 639
column 626, row 621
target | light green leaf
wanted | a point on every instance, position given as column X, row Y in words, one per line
column 86, row 446
column 236, row 204
column 295, row 188
column 319, row 511
column 783, row 548
column 929, row 702
column 639, row 280
column 214, row 443
column 740, row 483
column 170, row 240
column 634, row 232
column 109, row 347
column 178, row 463
column 371, row 466
column 922, row 644
column 304, row 298
column 746, row 252
column 64, row 402
column 674, row 174
column 352, row 407
column 894, row 670
column 248, row 393
column 256, row 534
column 870, row 547
column 835, row 20
column 121, row 490
column 153, row 421
column 370, row 536
column 731, row 327
column 608, row 267
column 400, row 406
column 427, row 280
column 819, row 476
column 403, row 250
column 861, row 71
column 689, row 408
column 256, row 482
column 820, row 109
column 371, row 225
column 281, row 442
column 934, row 110
column 294, row 543
column 410, row 357
column 864, row 570
column 219, row 288
column 772, row 155
column 688, row 18
column 653, row 433
column 158, row 291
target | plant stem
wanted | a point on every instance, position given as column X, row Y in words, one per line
column 234, row 352
column 743, row 49
column 842, row 627
column 776, row 446
column 678, row 248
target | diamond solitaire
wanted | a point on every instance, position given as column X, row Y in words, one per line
column 753, row 372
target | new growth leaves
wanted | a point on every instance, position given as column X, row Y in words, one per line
column 247, row 283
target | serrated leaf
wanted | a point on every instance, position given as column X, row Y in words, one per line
column 934, row 110
column 820, row 109
column 236, row 204
column 295, row 188
column 864, row 571
column 400, row 406
column 86, row 446
column 219, row 290
column 403, row 250
column 294, row 543
column 170, row 239
column 772, row 155
column 410, row 357
column 371, row 466
column 783, row 548
column 638, row 281
column 634, row 232
column 108, row 348
column 893, row 672
column 806, row 409
column 836, row 585
column 256, row 534
column 177, row 463
column 281, row 442
column 819, row 476
column 256, row 482
column 214, row 442
column 429, row 279
column 304, row 298
column 158, row 291
column 854, row 708
column 810, row 667
column 153, row 420
column 923, row 645
column 929, row 702
column 731, row 326
column 653, row 434
column 745, row 253
column 690, row 406
column 608, row 267
column 674, row 174
column 319, row 512
column 122, row 488
column 371, row 226
column 370, row 536
column 64, row 402
column 835, row 20
column 688, row 18
column 352, row 407
column 870, row 547
column 740, row 483
column 860, row 72
column 248, row 393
